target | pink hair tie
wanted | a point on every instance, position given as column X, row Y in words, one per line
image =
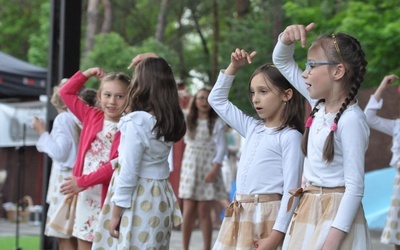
column 334, row 127
column 309, row 122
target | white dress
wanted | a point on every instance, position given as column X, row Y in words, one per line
column 198, row 160
column 89, row 201
column 61, row 146
column 142, row 186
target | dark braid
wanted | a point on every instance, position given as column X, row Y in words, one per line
column 353, row 58
column 304, row 141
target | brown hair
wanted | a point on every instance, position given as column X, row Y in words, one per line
column 193, row 115
column 154, row 89
column 56, row 99
column 293, row 115
column 345, row 49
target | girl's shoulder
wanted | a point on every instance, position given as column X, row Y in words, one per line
column 141, row 118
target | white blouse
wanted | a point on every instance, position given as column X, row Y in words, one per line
column 270, row 162
column 140, row 155
column 388, row 126
column 60, row 144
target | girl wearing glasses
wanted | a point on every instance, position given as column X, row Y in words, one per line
column 390, row 127
column 330, row 214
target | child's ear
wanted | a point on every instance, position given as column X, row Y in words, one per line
column 339, row 72
column 288, row 95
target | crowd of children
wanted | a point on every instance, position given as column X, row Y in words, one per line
column 119, row 173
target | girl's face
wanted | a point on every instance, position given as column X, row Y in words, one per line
column 201, row 102
column 112, row 99
column 318, row 79
column 267, row 100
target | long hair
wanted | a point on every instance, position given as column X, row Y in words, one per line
column 347, row 50
column 293, row 114
column 153, row 89
column 193, row 115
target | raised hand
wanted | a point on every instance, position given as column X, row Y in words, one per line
column 96, row 72
column 239, row 58
column 388, row 80
column 137, row 59
column 38, row 125
column 385, row 83
column 296, row 32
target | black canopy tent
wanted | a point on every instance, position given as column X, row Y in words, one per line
column 20, row 79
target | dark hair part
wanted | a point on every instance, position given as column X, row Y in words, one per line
column 154, row 89
column 293, row 115
column 193, row 115
column 89, row 96
column 350, row 54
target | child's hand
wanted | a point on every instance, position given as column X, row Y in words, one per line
column 296, row 32
column 137, row 59
column 70, row 186
column 239, row 58
column 212, row 174
column 38, row 125
column 387, row 81
column 114, row 226
column 115, row 221
column 272, row 242
column 96, row 72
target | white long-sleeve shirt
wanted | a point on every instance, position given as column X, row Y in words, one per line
column 388, row 126
column 270, row 162
column 350, row 142
column 140, row 155
column 60, row 144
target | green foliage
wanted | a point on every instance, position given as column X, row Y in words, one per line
column 374, row 23
column 18, row 21
column 109, row 52
column 39, row 41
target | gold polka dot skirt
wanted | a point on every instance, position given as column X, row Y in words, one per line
column 391, row 232
column 149, row 221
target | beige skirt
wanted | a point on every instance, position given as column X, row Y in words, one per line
column 248, row 219
column 314, row 216
column 391, row 232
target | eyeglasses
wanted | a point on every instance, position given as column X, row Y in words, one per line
column 337, row 47
column 310, row 65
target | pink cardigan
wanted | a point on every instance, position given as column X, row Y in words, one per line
column 92, row 123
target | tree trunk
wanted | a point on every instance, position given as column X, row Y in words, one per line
column 242, row 7
column 107, row 22
column 215, row 68
column 179, row 45
column 92, row 16
column 277, row 18
column 161, row 21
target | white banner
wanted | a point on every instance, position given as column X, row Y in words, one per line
column 16, row 123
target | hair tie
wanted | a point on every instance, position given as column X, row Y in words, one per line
column 334, row 127
column 309, row 121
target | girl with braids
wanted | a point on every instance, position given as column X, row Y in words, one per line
column 329, row 214
column 390, row 127
column 201, row 180
column 271, row 160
